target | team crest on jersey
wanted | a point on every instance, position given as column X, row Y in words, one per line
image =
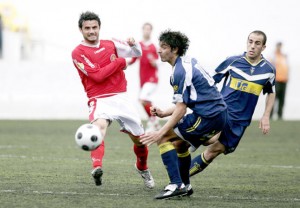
column 252, row 70
column 175, row 87
column 113, row 57
column 80, row 65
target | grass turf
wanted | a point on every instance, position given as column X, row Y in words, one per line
column 41, row 166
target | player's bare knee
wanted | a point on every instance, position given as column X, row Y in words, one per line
column 180, row 146
column 212, row 140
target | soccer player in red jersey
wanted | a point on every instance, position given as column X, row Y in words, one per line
column 100, row 64
column 148, row 75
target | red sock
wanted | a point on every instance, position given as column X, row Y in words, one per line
column 141, row 153
column 147, row 106
column 97, row 155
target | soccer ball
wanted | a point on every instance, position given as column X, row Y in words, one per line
column 88, row 137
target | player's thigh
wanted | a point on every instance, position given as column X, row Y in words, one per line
column 231, row 136
column 128, row 118
column 170, row 136
column 212, row 140
column 102, row 124
column 197, row 131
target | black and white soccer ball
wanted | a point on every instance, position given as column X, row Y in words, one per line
column 88, row 137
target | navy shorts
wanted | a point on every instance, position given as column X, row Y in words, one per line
column 197, row 130
column 231, row 136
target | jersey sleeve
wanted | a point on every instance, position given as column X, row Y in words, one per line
column 179, row 84
column 222, row 70
column 126, row 51
column 132, row 60
column 270, row 85
column 93, row 70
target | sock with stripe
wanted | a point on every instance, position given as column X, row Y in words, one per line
column 141, row 153
column 184, row 163
column 170, row 160
column 198, row 164
column 97, row 155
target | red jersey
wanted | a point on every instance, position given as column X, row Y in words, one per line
column 148, row 72
column 100, row 67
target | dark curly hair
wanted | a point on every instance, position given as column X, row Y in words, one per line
column 85, row 16
column 175, row 39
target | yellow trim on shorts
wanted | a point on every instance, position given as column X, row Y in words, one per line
column 165, row 147
column 185, row 154
column 194, row 127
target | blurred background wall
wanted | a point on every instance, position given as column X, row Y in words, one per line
column 38, row 80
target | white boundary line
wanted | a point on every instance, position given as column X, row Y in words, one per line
column 8, row 156
column 45, row 192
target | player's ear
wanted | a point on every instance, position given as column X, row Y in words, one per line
column 264, row 47
column 175, row 50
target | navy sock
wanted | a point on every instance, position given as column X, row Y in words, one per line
column 184, row 163
column 170, row 160
column 198, row 164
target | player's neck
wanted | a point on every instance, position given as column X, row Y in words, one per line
column 253, row 61
column 147, row 41
column 91, row 43
column 172, row 61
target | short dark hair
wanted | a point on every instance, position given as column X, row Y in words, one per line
column 85, row 16
column 175, row 39
column 258, row 32
column 279, row 44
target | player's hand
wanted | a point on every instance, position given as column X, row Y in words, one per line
column 264, row 124
column 150, row 138
column 155, row 111
column 130, row 42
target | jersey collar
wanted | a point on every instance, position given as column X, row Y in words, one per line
column 91, row 45
column 261, row 59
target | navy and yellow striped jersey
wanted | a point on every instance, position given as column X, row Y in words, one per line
column 196, row 88
column 243, row 84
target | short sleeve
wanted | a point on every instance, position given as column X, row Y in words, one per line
column 179, row 85
column 270, row 85
column 223, row 69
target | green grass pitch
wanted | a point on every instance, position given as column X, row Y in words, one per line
column 41, row 166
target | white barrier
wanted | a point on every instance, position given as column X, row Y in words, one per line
column 44, row 90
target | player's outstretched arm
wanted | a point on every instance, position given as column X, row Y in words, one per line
column 156, row 136
column 93, row 70
column 127, row 49
column 264, row 123
column 155, row 111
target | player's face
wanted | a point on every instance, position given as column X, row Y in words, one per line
column 147, row 31
column 90, row 31
column 166, row 53
column 255, row 46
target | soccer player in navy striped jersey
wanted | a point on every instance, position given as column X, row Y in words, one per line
column 194, row 89
column 245, row 76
